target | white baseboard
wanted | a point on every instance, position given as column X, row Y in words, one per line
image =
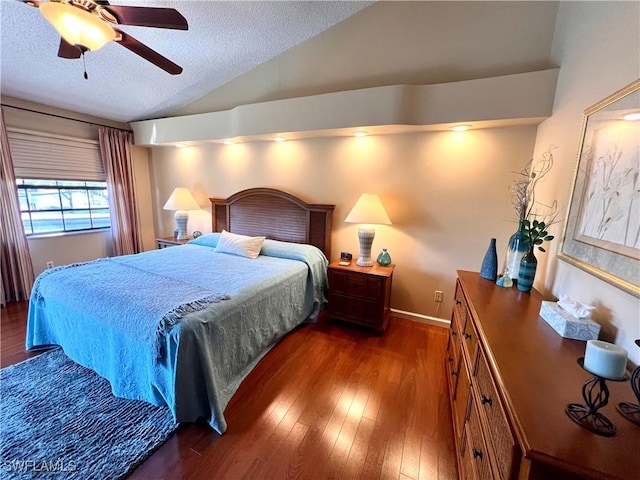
column 418, row 317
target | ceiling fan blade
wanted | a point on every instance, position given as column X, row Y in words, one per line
column 66, row 50
column 148, row 17
column 145, row 52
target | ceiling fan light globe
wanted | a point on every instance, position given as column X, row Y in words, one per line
column 78, row 27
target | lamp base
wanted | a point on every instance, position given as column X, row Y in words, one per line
column 182, row 217
column 366, row 233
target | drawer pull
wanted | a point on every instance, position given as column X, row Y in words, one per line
column 355, row 285
column 467, row 336
column 477, row 453
column 450, row 359
column 454, row 373
column 453, row 334
column 458, row 302
column 484, row 400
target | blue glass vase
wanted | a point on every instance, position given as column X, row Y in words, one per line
column 384, row 258
column 527, row 271
column 489, row 269
column 517, row 247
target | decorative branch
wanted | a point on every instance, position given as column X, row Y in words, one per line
column 535, row 216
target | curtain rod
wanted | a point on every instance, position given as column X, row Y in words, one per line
column 93, row 124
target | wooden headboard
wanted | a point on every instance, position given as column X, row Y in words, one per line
column 276, row 215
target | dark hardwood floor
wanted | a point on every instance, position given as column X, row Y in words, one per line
column 329, row 401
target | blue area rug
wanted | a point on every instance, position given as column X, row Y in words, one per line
column 60, row 420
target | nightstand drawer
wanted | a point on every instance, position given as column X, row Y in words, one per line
column 356, row 285
column 362, row 286
column 170, row 242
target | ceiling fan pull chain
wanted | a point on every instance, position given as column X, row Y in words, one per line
column 84, row 63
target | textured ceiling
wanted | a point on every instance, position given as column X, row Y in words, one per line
column 225, row 39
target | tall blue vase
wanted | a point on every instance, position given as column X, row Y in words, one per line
column 527, row 272
column 517, row 247
column 489, row 269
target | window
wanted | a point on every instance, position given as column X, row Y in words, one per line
column 52, row 206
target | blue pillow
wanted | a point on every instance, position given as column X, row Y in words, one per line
column 206, row 240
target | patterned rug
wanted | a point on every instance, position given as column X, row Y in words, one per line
column 60, row 420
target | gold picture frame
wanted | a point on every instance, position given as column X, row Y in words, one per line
column 602, row 229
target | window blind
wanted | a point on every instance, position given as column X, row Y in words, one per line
column 45, row 156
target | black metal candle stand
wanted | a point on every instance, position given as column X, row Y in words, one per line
column 631, row 411
column 596, row 395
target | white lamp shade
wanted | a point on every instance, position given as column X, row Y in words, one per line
column 181, row 199
column 368, row 209
column 77, row 26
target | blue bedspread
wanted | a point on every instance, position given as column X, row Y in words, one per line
column 180, row 326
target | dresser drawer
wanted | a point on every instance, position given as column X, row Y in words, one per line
column 469, row 340
column 460, row 306
column 460, row 403
column 455, row 339
column 477, row 449
column 504, row 450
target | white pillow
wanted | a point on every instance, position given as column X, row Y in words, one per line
column 239, row 244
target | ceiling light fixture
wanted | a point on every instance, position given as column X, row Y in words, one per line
column 229, row 142
column 360, row 134
column 180, row 145
column 77, row 26
column 279, row 139
column 632, row 116
column 460, row 128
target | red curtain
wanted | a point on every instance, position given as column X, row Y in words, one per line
column 17, row 269
column 115, row 147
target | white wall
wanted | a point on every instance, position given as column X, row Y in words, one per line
column 446, row 194
column 597, row 45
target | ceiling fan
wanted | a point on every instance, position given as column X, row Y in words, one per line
column 87, row 25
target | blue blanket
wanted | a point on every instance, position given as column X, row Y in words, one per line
column 98, row 286
column 207, row 348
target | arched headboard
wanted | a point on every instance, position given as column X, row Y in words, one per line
column 276, row 215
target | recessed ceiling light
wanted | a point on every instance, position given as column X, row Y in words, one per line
column 279, row 139
column 180, row 145
column 460, row 128
column 632, row 116
column 360, row 134
column 229, row 142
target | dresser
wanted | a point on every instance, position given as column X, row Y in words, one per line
column 360, row 295
column 510, row 376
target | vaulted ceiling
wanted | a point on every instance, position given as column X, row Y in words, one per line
column 225, row 39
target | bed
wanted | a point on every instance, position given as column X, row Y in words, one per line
column 183, row 326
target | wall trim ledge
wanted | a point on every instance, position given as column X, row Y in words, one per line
column 516, row 99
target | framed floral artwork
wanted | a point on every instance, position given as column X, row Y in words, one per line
column 602, row 228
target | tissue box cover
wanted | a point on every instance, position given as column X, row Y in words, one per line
column 567, row 325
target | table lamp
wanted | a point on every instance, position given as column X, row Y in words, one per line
column 368, row 211
column 181, row 200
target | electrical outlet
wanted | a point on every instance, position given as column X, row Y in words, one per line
column 437, row 297
column 50, row 264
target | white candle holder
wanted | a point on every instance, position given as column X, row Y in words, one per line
column 631, row 411
column 596, row 395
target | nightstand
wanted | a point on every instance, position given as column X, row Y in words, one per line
column 170, row 242
column 360, row 295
